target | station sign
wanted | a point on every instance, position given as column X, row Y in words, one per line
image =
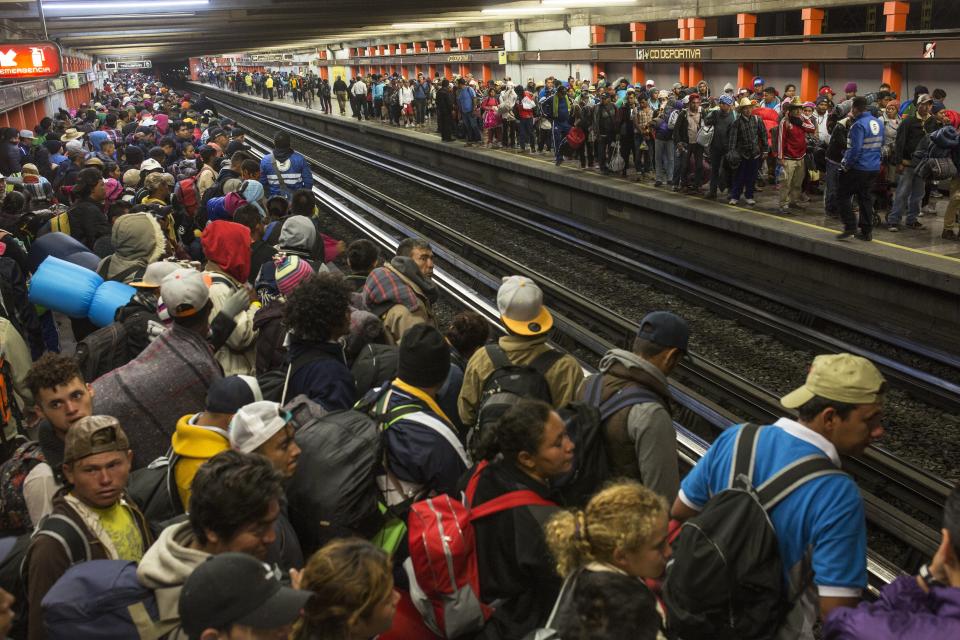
column 129, row 64
column 23, row 59
column 673, row 53
column 460, row 57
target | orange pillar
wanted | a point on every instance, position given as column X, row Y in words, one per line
column 402, row 50
column 598, row 35
column 392, row 50
column 417, row 49
column 810, row 71
column 638, row 33
column 896, row 13
column 447, row 46
column 432, row 68
column 382, row 51
column 324, row 70
column 682, row 26
column 747, row 27
column 463, row 44
column 485, row 70
column 695, row 29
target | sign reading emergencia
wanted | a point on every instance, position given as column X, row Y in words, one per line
column 673, row 53
column 21, row 59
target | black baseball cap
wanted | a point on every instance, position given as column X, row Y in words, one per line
column 665, row 329
column 228, row 394
column 236, row 588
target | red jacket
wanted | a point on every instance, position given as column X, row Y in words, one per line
column 793, row 139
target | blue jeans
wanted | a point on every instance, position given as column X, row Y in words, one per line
column 745, row 178
column 526, row 134
column 909, row 193
column 665, row 153
column 472, row 128
column 560, row 130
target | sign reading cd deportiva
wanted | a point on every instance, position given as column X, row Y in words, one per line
column 23, row 60
column 672, row 53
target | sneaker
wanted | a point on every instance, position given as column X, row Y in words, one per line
column 732, row 202
column 893, row 228
column 750, row 201
column 658, row 184
column 915, row 225
column 799, row 205
column 783, row 210
column 866, row 236
column 948, row 234
column 846, row 235
column 929, row 210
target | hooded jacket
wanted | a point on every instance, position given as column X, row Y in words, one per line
column 227, row 248
column 88, row 222
column 195, row 444
column 902, row 611
column 325, row 378
column 298, row 237
column 166, row 565
column 137, row 241
column 293, row 169
column 563, row 378
column 400, row 296
column 640, row 439
column 149, row 394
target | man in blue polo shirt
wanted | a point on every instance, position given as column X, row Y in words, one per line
column 820, row 526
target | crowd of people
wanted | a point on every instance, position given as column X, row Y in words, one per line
column 277, row 438
column 849, row 149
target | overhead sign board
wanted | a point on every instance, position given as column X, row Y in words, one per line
column 673, row 53
column 128, row 64
column 21, row 60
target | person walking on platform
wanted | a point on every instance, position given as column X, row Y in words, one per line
column 340, row 90
column 859, row 169
column 748, row 144
column 559, row 108
column 689, row 123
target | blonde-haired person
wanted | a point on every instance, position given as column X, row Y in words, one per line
column 606, row 551
column 354, row 598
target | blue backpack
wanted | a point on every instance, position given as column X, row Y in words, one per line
column 103, row 600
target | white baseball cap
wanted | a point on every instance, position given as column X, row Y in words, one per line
column 520, row 303
column 255, row 423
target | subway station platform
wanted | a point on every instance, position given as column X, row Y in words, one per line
column 909, row 281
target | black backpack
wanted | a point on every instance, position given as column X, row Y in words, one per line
column 274, row 383
column 375, row 365
column 509, row 383
column 107, row 348
column 726, row 578
column 584, row 421
column 154, row 489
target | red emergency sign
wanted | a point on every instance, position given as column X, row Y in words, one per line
column 22, row 60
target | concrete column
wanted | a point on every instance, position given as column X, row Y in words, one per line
column 695, row 29
column 598, row 35
column 371, row 51
column 431, row 69
column 684, row 35
column 418, row 48
column 392, row 50
column 447, row 46
column 896, row 13
column 810, row 71
column 403, row 48
column 485, row 69
column 463, row 44
column 747, row 27
column 638, row 33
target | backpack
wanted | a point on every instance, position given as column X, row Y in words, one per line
column 186, row 194
column 509, row 383
column 14, row 516
column 442, row 567
column 104, row 350
column 374, row 365
column 103, row 600
column 9, row 408
column 61, row 223
column 726, row 578
column 672, row 120
column 333, row 493
column 154, row 489
column 585, row 425
column 274, row 383
column 13, row 581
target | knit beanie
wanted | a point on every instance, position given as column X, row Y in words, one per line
column 424, row 358
column 851, row 87
column 290, row 272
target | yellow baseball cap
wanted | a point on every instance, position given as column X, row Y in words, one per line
column 520, row 303
column 839, row 376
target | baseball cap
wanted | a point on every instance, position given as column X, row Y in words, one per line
column 236, row 588
column 255, row 423
column 923, row 98
column 92, row 435
column 131, row 177
column 184, row 292
column 665, row 329
column 26, row 133
column 155, row 273
column 650, row 83
column 154, row 180
column 757, row 81
column 520, row 303
column 150, row 165
column 842, row 377
column 228, row 394
column 93, row 161
column 73, row 145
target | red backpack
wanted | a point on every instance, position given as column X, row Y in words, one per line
column 575, row 138
column 187, row 195
column 444, row 578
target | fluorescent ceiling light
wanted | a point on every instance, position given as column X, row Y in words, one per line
column 124, row 16
column 148, row 5
column 585, row 3
column 421, row 25
column 516, row 11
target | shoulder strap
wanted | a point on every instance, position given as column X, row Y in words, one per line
column 568, row 584
column 222, row 279
column 797, row 473
column 593, row 390
column 280, row 180
column 126, row 272
column 543, row 362
column 626, row 397
column 171, row 481
column 68, row 534
column 511, row 500
column 498, row 356
column 745, row 451
column 104, row 267
column 472, row 484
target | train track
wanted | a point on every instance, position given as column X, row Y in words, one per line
column 583, row 326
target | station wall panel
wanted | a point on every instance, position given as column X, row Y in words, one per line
column 778, row 75
column 867, row 76
column 718, row 74
column 933, row 76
